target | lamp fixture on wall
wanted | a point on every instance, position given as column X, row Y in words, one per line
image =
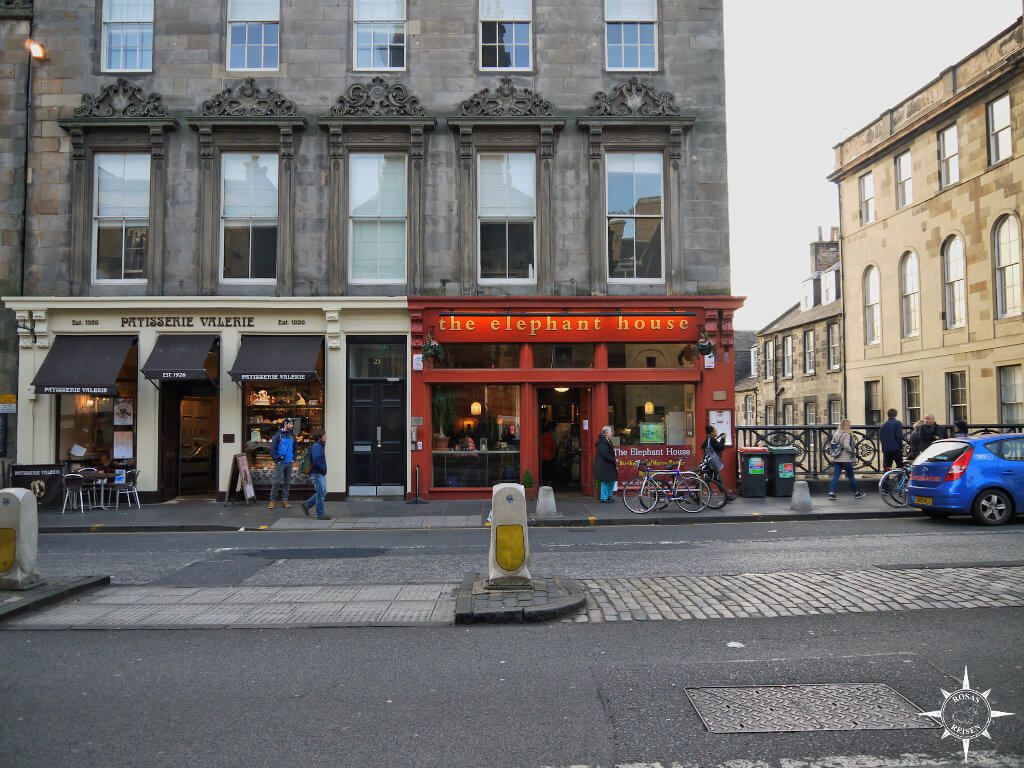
column 475, row 408
column 648, row 408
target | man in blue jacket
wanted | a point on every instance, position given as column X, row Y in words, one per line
column 282, row 451
column 891, row 435
column 318, row 458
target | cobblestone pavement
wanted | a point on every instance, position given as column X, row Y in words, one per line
column 241, row 607
column 800, row 593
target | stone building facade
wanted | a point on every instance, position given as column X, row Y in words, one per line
column 238, row 157
column 930, row 204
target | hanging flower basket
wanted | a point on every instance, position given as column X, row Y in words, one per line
column 433, row 350
column 705, row 344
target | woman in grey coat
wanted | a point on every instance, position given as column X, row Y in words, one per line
column 844, row 461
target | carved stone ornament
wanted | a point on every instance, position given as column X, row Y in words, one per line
column 377, row 98
column 249, row 102
column 122, row 99
column 506, row 101
column 635, row 98
column 19, row 6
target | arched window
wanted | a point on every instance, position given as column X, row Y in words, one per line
column 872, row 307
column 910, row 295
column 953, row 270
column 1008, row 278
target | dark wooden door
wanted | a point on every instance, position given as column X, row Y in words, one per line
column 170, row 429
column 376, row 434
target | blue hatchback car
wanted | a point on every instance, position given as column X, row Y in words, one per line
column 981, row 476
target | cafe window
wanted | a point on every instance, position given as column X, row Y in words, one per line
column 249, row 217
column 652, row 414
column 476, row 435
column 481, row 356
column 120, row 217
column 99, row 430
column 506, row 207
column 635, row 215
column 563, row 355
column 652, row 356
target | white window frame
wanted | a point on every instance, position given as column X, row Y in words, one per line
column 949, row 162
column 661, row 229
column 769, row 414
column 950, row 405
column 829, row 281
column 749, row 409
column 875, row 386
column 479, row 264
column 224, row 219
column 810, row 412
column 809, row 352
column 787, row 357
column 657, row 52
column 491, row 20
column 769, row 360
column 105, row 24
column 788, row 414
column 904, row 183
column 834, row 347
column 872, row 306
column 807, row 300
column 357, row 22
column 910, row 296
column 754, row 361
column 906, row 396
column 1017, row 372
column 835, row 411
column 866, row 197
column 227, row 46
column 1004, row 269
column 954, row 289
column 126, row 221
column 994, row 132
column 404, row 219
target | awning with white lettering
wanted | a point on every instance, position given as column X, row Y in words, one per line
column 278, row 358
column 180, row 357
column 83, row 365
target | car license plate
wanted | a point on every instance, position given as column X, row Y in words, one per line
column 924, row 501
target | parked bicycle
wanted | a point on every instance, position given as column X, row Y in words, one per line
column 657, row 488
column 718, row 494
column 893, row 486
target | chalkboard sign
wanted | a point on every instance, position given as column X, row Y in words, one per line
column 240, row 483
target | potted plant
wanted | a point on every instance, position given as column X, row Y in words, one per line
column 529, row 484
column 705, row 344
column 442, row 414
column 433, row 350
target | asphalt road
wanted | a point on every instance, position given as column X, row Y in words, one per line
column 444, row 555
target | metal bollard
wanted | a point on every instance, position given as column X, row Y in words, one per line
column 509, row 560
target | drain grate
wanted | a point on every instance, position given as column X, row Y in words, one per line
column 818, row 707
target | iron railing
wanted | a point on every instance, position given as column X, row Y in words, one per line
column 810, row 441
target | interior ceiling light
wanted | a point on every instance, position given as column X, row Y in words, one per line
column 561, row 390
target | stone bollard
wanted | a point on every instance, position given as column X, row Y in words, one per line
column 19, row 539
column 800, row 501
column 509, row 560
column 546, row 502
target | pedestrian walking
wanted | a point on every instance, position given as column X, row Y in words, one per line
column 713, row 447
column 960, row 428
column 843, row 460
column 282, row 451
column 548, row 452
column 915, row 440
column 605, row 469
column 318, row 474
column 891, row 435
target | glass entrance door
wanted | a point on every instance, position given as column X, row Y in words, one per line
column 376, row 460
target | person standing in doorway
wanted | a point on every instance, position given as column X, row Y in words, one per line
column 318, row 474
column 843, row 462
column 891, row 435
column 548, row 452
column 605, row 470
column 282, row 451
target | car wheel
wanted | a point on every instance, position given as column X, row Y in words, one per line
column 993, row 507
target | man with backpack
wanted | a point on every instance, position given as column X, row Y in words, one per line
column 282, row 451
column 314, row 463
column 841, row 451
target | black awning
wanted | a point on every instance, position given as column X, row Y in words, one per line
column 277, row 358
column 179, row 357
column 83, row 365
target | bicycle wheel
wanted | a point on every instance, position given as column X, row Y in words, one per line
column 899, row 490
column 640, row 495
column 887, row 489
column 692, row 494
column 718, row 494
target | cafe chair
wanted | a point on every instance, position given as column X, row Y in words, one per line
column 129, row 489
column 91, row 486
column 73, row 492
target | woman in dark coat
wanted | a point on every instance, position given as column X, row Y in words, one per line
column 604, row 465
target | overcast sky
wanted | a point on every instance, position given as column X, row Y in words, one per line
column 801, row 75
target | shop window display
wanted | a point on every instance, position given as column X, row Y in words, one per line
column 563, row 355
column 652, row 414
column 267, row 405
column 476, row 440
column 99, row 430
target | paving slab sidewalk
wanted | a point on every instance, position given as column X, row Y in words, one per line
column 383, row 514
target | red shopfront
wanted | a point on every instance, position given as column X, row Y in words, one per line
column 492, row 375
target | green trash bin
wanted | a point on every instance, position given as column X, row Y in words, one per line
column 781, row 470
column 753, row 470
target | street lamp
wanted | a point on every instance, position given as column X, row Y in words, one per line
column 36, row 50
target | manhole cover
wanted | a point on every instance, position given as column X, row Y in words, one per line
column 823, row 707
